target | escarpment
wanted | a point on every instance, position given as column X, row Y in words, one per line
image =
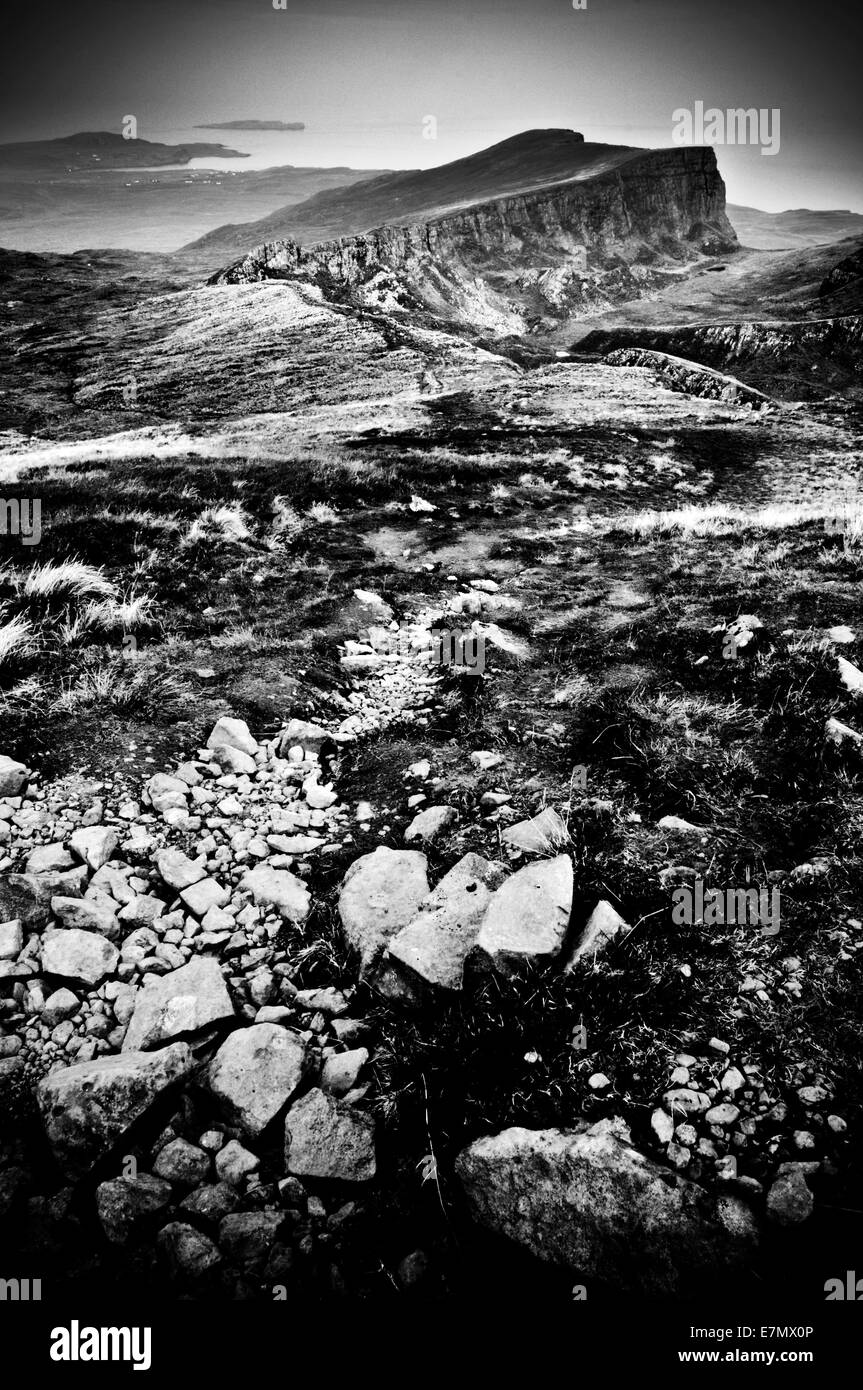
column 530, row 262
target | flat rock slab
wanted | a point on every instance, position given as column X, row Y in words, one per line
column 87, row 1108
column 46, row 859
column 430, row 952
column 255, row 1072
column 280, row 889
column 587, row 1200
column 82, row 957
column 381, row 893
column 540, row 835
column 179, row 1004
column 528, row 916
column 326, row 1138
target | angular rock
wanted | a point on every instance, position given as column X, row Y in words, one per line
column 11, row 939
column 13, row 776
column 234, row 760
column 340, row 1073
column 179, row 1004
column 45, row 859
column 587, row 1200
column 789, row 1201
column 280, row 889
column 255, row 1072
column 485, row 760
column 189, row 1254
column 247, row 1237
column 95, row 844
column 142, row 911
column 178, row 870
column 210, row 1203
column 82, row 957
column 129, row 1208
column 850, row 675
column 430, row 825
column 183, row 1163
column 603, row 925
column 430, row 952
column 87, row 1108
column 541, row 835
column 234, row 1163
column 111, row 880
column 311, row 736
column 381, row 893
column 86, row 914
column 326, row 1138
column 206, row 893
column 235, row 733
column 528, row 916
column 837, row 732
column 28, row 896
column 327, row 1001
column 60, row 1005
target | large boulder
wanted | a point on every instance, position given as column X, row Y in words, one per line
column 88, row 1107
column 81, row 957
column 587, row 1200
column 255, row 1072
column 430, row 952
column 528, row 916
column 381, row 893
column 327, row 1138
column 179, row 1004
column 88, row 914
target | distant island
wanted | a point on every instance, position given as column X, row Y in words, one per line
column 252, row 125
column 103, row 148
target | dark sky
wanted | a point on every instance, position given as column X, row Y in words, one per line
column 485, row 68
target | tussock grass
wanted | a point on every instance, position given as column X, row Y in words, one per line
column 67, row 582
column 719, row 517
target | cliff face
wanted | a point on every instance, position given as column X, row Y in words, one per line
column 530, row 262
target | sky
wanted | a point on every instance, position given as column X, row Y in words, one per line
column 365, row 74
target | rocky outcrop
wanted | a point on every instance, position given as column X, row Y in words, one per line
column 780, row 357
column 680, row 375
column 528, row 262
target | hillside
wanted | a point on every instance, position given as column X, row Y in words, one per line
column 797, row 227
column 521, row 164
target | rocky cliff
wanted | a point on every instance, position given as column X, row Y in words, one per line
column 795, row 359
column 527, row 263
